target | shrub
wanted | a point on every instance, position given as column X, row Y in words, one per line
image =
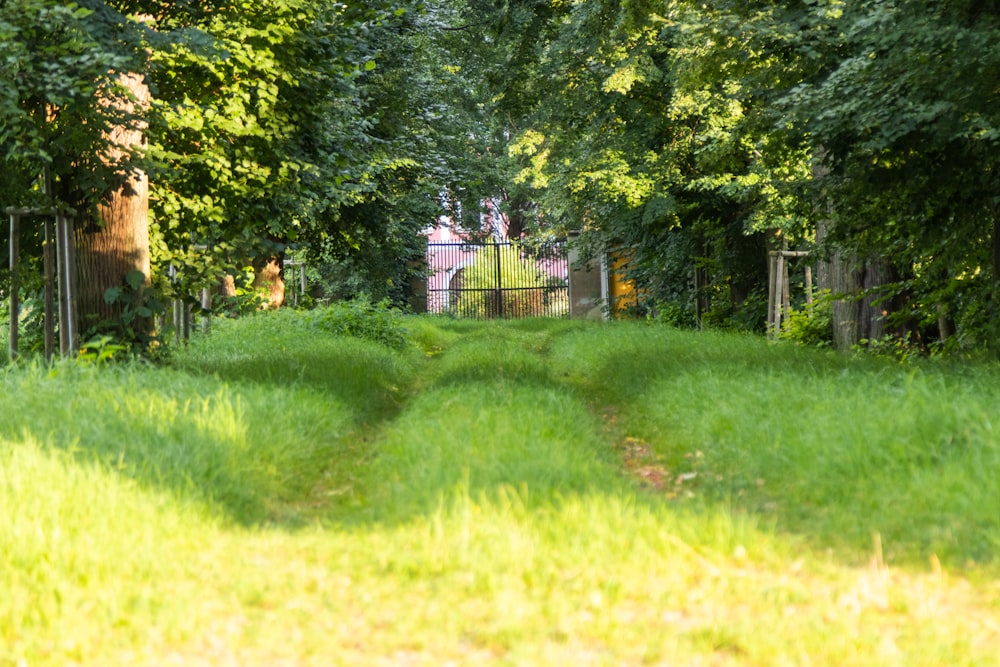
column 360, row 318
column 812, row 326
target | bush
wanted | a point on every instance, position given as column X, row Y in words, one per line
column 812, row 327
column 360, row 318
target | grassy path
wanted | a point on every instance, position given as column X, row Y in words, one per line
column 513, row 494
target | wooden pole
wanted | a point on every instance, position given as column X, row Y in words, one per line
column 772, row 258
column 303, row 286
column 64, row 327
column 786, row 296
column 178, row 309
column 49, row 264
column 69, row 337
column 74, row 329
column 809, row 289
column 15, row 282
column 779, row 290
column 206, row 310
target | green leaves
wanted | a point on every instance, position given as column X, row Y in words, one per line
column 60, row 97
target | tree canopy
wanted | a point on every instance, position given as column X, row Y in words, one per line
column 686, row 138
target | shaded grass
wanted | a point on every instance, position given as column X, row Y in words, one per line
column 276, row 350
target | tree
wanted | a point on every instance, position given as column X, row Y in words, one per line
column 251, row 135
column 907, row 117
column 632, row 136
column 72, row 125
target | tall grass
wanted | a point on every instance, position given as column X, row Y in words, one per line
column 833, row 448
column 289, row 496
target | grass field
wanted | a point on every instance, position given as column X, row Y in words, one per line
column 520, row 493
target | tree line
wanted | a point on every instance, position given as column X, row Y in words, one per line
column 218, row 135
column 693, row 137
column 687, row 138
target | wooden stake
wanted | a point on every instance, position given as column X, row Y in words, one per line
column 809, row 289
column 771, row 264
column 206, row 308
column 15, row 282
column 49, row 264
column 69, row 341
column 779, row 291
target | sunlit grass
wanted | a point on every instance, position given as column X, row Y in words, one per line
column 835, row 448
column 284, row 497
column 241, row 450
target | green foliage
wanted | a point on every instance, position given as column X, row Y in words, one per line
column 900, row 348
column 812, row 327
column 270, row 123
column 100, row 350
column 652, row 147
column 133, row 331
column 60, row 98
column 904, row 120
column 31, row 320
column 680, row 134
column 384, row 254
column 361, row 318
column 689, row 127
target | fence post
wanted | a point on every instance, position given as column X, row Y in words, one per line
column 206, row 309
column 68, row 342
column 63, row 289
column 779, row 292
column 809, row 290
column 15, row 282
column 177, row 308
column 49, row 266
column 496, row 248
column 771, row 263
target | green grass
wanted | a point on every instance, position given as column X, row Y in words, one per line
column 520, row 493
column 836, row 449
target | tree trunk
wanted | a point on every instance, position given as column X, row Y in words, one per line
column 227, row 286
column 107, row 252
column 840, row 274
column 995, row 251
column 516, row 218
column 875, row 306
column 846, row 275
column 269, row 279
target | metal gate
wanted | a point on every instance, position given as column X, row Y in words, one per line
column 497, row 280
